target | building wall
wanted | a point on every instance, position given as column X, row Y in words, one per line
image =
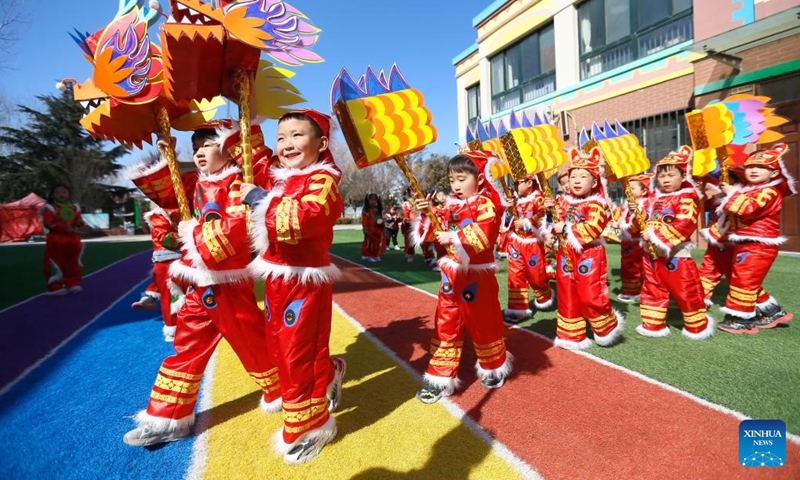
column 714, row 17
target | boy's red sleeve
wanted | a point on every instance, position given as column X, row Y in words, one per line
column 480, row 235
column 589, row 228
column 752, row 205
column 163, row 233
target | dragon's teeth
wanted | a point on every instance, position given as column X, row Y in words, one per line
column 84, row 104
column 181, row 7
column 186, row 20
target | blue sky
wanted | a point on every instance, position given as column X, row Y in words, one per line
column 421, row 36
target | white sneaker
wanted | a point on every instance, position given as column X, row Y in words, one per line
column 335, row 387
column 307, row 450
column 144, row 436
column 57, row 293
column 169, row 337
column 75, row 289
column 629, row 298
column 397, row 247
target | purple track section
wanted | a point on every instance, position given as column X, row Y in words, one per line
column 29, row 331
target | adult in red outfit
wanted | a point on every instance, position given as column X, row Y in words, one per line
column 293, row 219
column 468, row 295
column 63, row 248
column 220, row 302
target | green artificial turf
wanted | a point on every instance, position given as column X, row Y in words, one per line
column 22, row 272
column 758, row 375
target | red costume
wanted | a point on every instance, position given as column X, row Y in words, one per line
column 374, row 244
column 671, row 222
column 526, row 257
column 582, row 283
column 219, row 302
column 630, row 243
column 166, row 249
column 717, row 258
column 468, row 295
column 63, row 247
column 293, row 230
column 754, row 236
column 409, row 214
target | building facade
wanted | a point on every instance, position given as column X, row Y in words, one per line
column 644, row 63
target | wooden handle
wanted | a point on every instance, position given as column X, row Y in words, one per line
column 164, row 129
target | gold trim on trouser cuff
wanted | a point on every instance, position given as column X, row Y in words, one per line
column 177, row 386
column 601, row 322
column 445, row 352
column 175, row 373
column 443, row 363
column 318, row 405
column 305, row 428
column 174, row 400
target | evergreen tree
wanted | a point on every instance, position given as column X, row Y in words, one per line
column 51, row 147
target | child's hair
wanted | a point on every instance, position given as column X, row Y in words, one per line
column 462, row 164
column 302, row 116
column 666, row 168
column 434, row 194
column 202, row 134
column 407, row 192
column 366, row 207
column 50, row 198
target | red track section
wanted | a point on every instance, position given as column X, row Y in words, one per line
column 565, row 415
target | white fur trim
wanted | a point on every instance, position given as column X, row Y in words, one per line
column 283, row 173
column 732, row 237
column 520, row 314
column 449, row 265
column 570, row 345
column 738, row 314
column 259, row 237
column 452, row 384
column 611, row 337
column 166, row 330
column 175, row 290
column 680, row 191
column 708, row 303
column 420, row 222
column 501, row 372
column 152, row 294
column 572, row 240
column 709, row 331
column 156, row 211
column 326, row 432
column 223, row 134
column 226, row 172
column 657, row 243
column 705, row 233
column 186, row 234
column 305, row 275
column 547, row 304
column 594, row 197
column 203, row 278
column 142, row 169
column 664, row 332
column 519, row 239
column 160, row 424
column 274, row 406
column 771, row 302
column 461, row 252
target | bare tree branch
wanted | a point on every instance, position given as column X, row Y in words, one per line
column 11, row 20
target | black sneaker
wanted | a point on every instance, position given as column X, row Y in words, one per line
column 738, row 325
column 432, row 394
column 493, row 382
column 772, row 317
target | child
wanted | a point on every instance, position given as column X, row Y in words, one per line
column 717, row 259
column 63, row 248
column 526, row 256
column 166, row 249
column 630, row 240
column 219, row 302
column 469, row 290
column 582, row 283
column 672, row 214
column 409, row 213
column 150, row 298
column 424, row 236
column 293, row 230
column 755, row 239
column 439, row 200
column 392, row 224
column 372, row 225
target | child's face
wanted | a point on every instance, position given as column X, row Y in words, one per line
column 464, row 184
column 637, row 189
column 61, row 194
column 373, row 201
column 581, row 182
column 524, row 186
column 440, row 197
column 756, row 175
column 207, row 156
column 669, row 180
column 563, row 184
column 297, row 144
column 392, row 211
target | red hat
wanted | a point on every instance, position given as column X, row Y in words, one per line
column 590, row 162
column 772, row 158
column 323, row 121
column 483, row 160
column 644, row 179
column 682, row 160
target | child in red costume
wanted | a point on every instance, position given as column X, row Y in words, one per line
column 582, row 281
column 220, row 301
column 392, row 224
column 754, row 236
column 672, row 213
column 425, row 238
column 526, row 254
column 372, row 224
column 293, row 221
column 468, row 294
column 630, row 241
column 63, row 247
column 166, row 249
column 409, row 213
column 717, row 259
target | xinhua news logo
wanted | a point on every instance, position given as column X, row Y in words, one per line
column 762, row 443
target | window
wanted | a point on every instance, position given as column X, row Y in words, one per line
column 524, row 71
column 781, row 90
column 615, row 32
column 473, row 104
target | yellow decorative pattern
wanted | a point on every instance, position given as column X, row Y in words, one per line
column 177, row 386
column 174, row 400
column 308, row 426
column 221, row 235
column 282, row 218
column 211, row 242
column 475, row 237
column 325, row 186
column 174, row 373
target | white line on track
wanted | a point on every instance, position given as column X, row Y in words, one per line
column 199, row 461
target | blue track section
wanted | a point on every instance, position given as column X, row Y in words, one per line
column 66, row 418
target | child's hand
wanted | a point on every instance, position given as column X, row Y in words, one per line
column 632, row 205
column 245, row 188
column 712, row 190
column 549, row 203
column 424, row 204
column 519, row 224
column 163, row 144
column 443, row 238
column 558, row 227
column 726, row 189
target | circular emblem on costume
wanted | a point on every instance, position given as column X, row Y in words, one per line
column 668, row 219
column 470, row 292
column 289, row 318
column 585, row 267
column 292, row 312
column 513, row 253
column 672, row 265
column 68, row 214
column 740, row 257
column 266, row 312
column 208, row 298
column 626, row 251
column 447, row 288
column 533, row 261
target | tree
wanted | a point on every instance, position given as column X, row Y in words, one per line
column 10, row 20
column 51, row 147
column 434, row 173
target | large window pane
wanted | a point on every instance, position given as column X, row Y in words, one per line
column 591, row 25
column 530, row 58
column 473, row 101
column 651, row 11
column 680, row 5
column 618, row 19
column 498, row 82
column 513, row 66
column 547, row 49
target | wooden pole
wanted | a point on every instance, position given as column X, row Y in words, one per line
column 164, row 129
column 242, row 82
column 562, row 240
